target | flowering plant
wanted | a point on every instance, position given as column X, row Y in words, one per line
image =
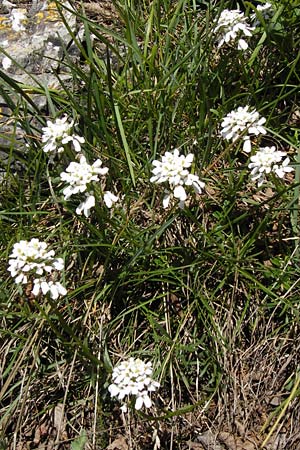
column 58, row 133
column 32, row 260
column 173, row 169
column 268, row 160
column 240, row 124
column 133, row 377
column 231, row 26
column 79, row 176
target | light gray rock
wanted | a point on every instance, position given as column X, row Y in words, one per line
column 32, row 39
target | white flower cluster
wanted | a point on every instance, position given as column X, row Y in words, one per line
column 79, row 176
column 58, row 133
column 240, row 124
column 231, row 26
column 173, row 169
column 133, row 377
column 268, row 160
column 30, row 259
column 266, row 11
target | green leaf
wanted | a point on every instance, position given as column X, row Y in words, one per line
column 79, row 443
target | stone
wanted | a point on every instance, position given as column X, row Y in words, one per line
column 32, row 41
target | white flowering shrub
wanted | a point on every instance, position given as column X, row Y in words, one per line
column 232, row 26
column 173, row 170
column 31, row 261
column 59, row 133
column 79, row 177
column 268, row 160
column 133, row 378
column 241, row 124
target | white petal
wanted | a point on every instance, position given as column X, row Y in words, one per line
column 147, row 401
column 198, row 186
column 61, row 289
column 45, row 287
column 86, row 205
column 139, row 403
column 77, row 145
column 54, row 292
column 247, row 145
column 166, row 200
column 21, row 279
column 36, row 289
column 242, row 45
column 66, row 139
column 189, row 159
column 113, row 390
column 124, row 408
column 109, row 198
column 179, row 192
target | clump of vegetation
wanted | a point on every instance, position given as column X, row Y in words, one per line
column 164, row 176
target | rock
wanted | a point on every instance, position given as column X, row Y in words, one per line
column 32, row 39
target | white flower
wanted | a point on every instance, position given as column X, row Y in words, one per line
column 109, row 198
column 193, row 180
column 76, row 141
column 58, row 133
column 31, row 259
column 231, row 26
column 143, row 398
column 79, row 175
column 240, row 124
column 6, row 63
column 173, row 169
column 86, row 205
column 265, row 10
column 18, row 17
column 284, row 168
column 266, row 161
column 133, row 377
column 56, row 289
